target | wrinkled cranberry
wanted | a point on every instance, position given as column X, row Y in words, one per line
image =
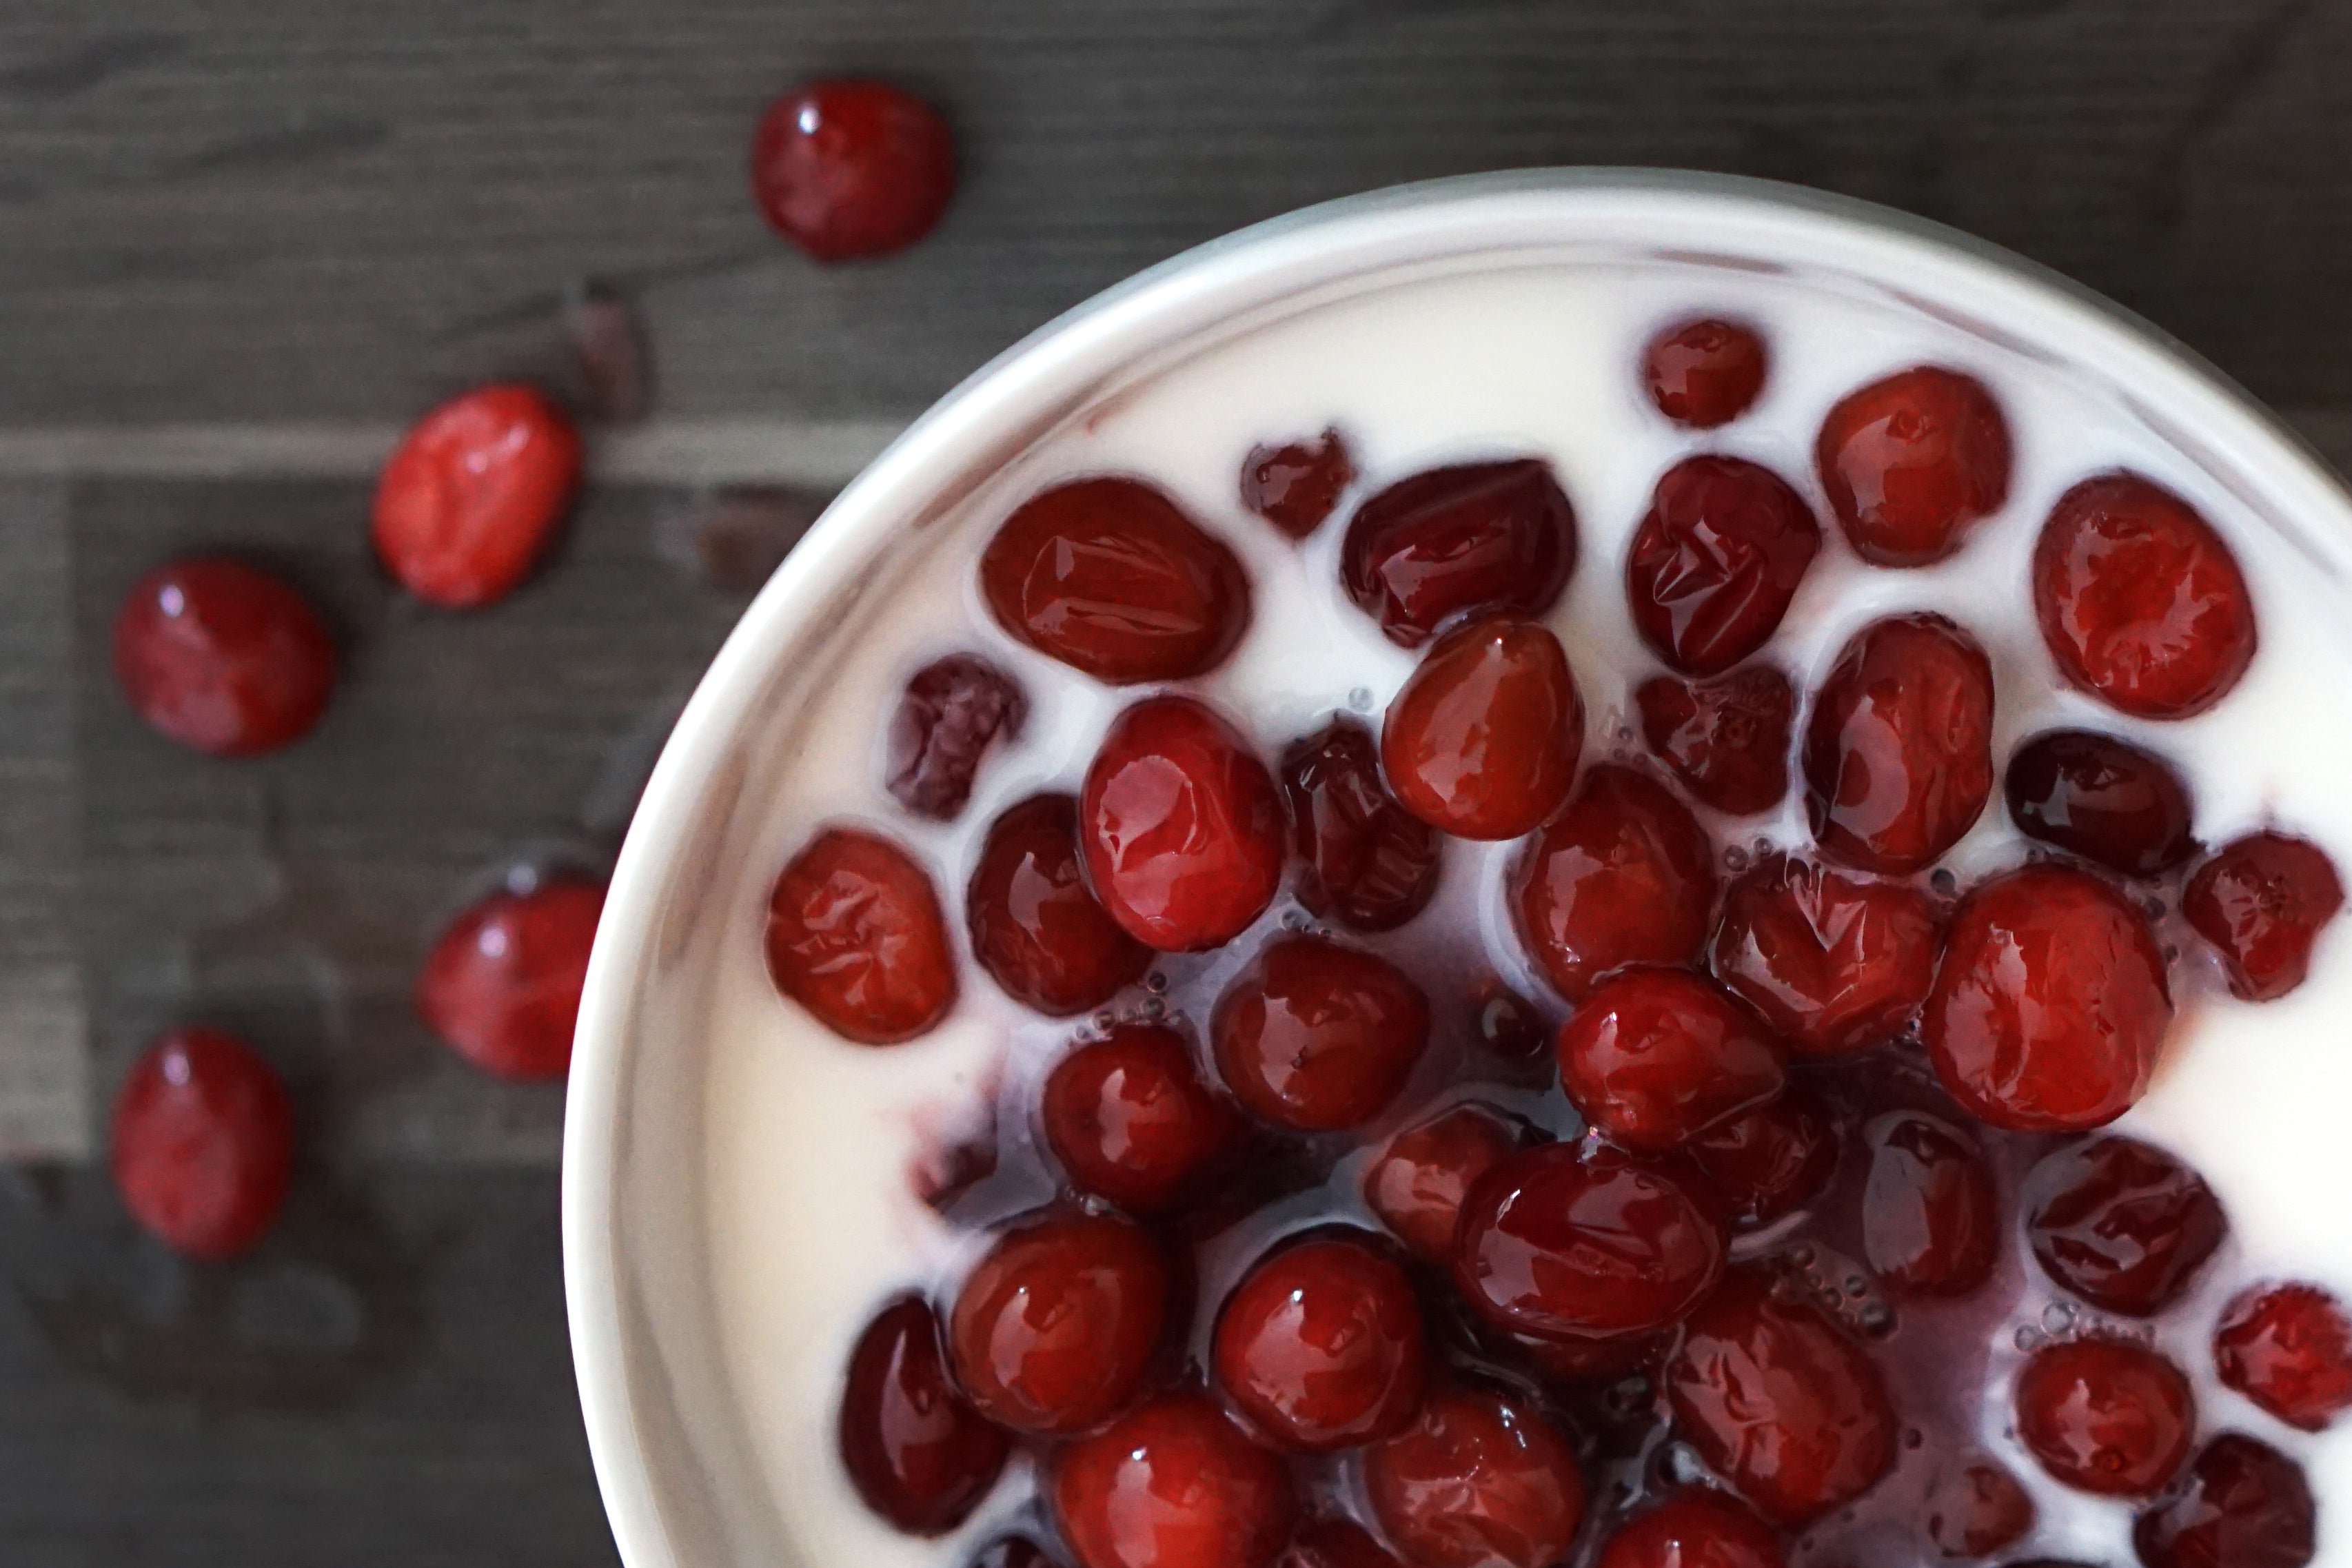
column 1367, row 863
column 1910, row 464
column 1656, row 1057
column 1705, row 374
column 1899, row 750
column 919, row 1455
column 1508, row 1025
column 1318, row 1036
column 1416, row 1184
column 1930, row 1218
column 502, row 984
column 1478, row 1480
column 2246, row 1506
column 1333, row 1544
column 953, row 710
column 1623, row 875
column 1726, row 739
column 1474, row 539
column 202, row 1142
column 1319, row 1347
column 472, row 498
column 1770, row 1161
column 2122, row 1223
column 1055, row 1330
column 222, row 658
column 1716, row 560
column 856, row 935
column 1834, row 962
column 1483, row 739
column 1035, row 926
column 1978, row 1510
column 2261, row 901
column 2288, row 1348
column 1130, row 1120
column 2106, row 1415
column 2100, row 797
column 1695, row 1527
column 1172, row 1485
column 849, row 170
column 1295, row 486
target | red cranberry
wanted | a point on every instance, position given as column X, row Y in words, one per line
column 1656, row 1057
column 1835, row 963
column 1110, row 577
column 1475, row 538
column 1056, row 1330
column 919, row 1455
column 1930, row 1218
column 1898, row 752
column 1705, row 374
column 1319, row 1347
column 1130, row 1120
column 2246, row 1506
column 2288, row 1348
column 2140, row 601
column 223, row 658
column 953, row 709
column 1035, row 926
column 2260, row 901
column 1483, row 739
column 1716, row 560
column 502, row 985
column 1478, row 1480
column 1295, row 486
column 1508, row 1025
column 1771, row 1161
column 1695, row 1527
column 2122, row 1223
column 1726, row 739
column 1172, row 1485
column 1418, row 1181
column 1913, row 462
column 1318, row 1036
column 856, row 935
column 1623, row 875
column 2105, row 1415
column 2100, row 797
column 1181, row 827
column 848, row 170
column 1333, row 1544
column 2050, row 1008
column 1367, row 863
column 471, row 499
column 203, row 1143
column 1780, row 1401
column 1978, row 1510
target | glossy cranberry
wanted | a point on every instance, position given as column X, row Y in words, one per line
column 1508, row 1024
column 2246, row 1506
column 848, row 170
column 1483, row 739
column 2260, row 903
column 2288, row 1348
column 1656, row 1057
column 1416, row 1184
column 1898, row 748
column 919, row 1455
column 1727, row 738
column 2100, row 797
column 1180, row 826
column 2050, row 1008
column 1780, row 1401
column 1035, row 926
column 1716, row 560
column 1366, row 862
column 1834, row 962
column 1110, row 577
column 2106, row 1415
column 856, row 935
column 502, row 985
column 1318, row 1036
column 2122, row 1223
column 1333, row 1544
column 1475, row 538
column 202, row 1142
column 1978, row 1510
column 1295, row 486
column 472, row 498
column 1478, row 1480
column 1623, row 875
column 1912, row 463
column 1771, row 1161
column 222, row 658
column 1130, row 1120
column 1319, row 1347
column 1930, row 1216
column 1172, row 1485
column 1705, row 374
column 1055, row 1330
column 1695, row 1527
column 952, row 711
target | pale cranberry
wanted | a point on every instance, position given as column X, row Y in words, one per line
column 1483, row 739
column 1705, row 374
column 1478, row 1480
column 1716, row 560
column 203, row 1143
column 1770, row 1161
column 1366, row 862
column 1333, row 1544
column 1035, row 926
column 472, row 498
column 223, row 658
column 1656, row 1057
column 953, row 710
column 1474, row 539
column 1623, row 875
column 1319, row 1347
column 2122, row 1223
column 2260, row 903
column 1416, row 1184
column 2246, row 1506
column 849, row 170
column 1172, row 1485
column 1930, row 1216
column 1912, row 463
column 1834, row 962
column 1055, row 1329
column 918, row 1454
column 1318, row 1036
column 1898, row 749
column 1695, row 1527
column 2288, row 1348
column 1978, row 1510
column 2105, row 1415
column 1295, row 486
column 2100, row 797
column 1130, row 1120
column 1727, row 738
column 502, row 984
column 856, row 935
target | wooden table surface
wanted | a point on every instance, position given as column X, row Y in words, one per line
column 242, row 241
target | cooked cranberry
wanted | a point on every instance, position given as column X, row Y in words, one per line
column 1416, row 1184
column 1130, row 1120
column 1478, row 1480
column 1656, row 1057
column 1726, row 739
column 202, row 1142
column 1035, row 926
column 1588, row 1362
column 1319, row 1347
column 848, row 170
column 953, row 709
column 1695, row 1527
column 856, row 935
column 1834, row 962
column 1930, row 1218
column 1705, row 374
column 2050, row 1008
column 2288, row 1348
column 1911, row 463
column 502, row 985
column 1479, row 537
column 1055, row 1330
column 1978, row 1510
column 1333, row 1544
column 1110, row 577
column 1623, row 875
column 2106, row 1415
column 222, row 658
column 2260, row 901
column 1508, row 1024
column 1318, row 1036
column 1482, row 739
column 2100, row 797
column 1899, row 750
column 1295, row 486
column 1181, row 827
column 1770, row 1161
column 1716, row 560
column 1780, row 1401
column 919, row 1455
column 1173, row 1485
column 2246, row 1506
column 471, row 499
column 1367, row 863
column 2122, row 1223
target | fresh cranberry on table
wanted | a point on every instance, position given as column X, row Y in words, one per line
column 1705, row 374
column 1656, row 1057
column 202, row 1142
column 848, row 170
column 1623, row 875
column 2288, row 1348
column 2245, row 1505
column 473, row 497
column 1476, row 538
column 1130, row 1120
column 1171, row 1485
column 1035, row 926
column 1333, row 1544
column 1479, row 1481
column 1834, row 962
column 2121, row 1224
column 1318, row 1037
column 1483, row 739
column 1295, row 486
column 856, row 935
column 1695, row 1527
column 1716, row 560
column 2106, row 1415
column 1365, row 860
column 1055, row 1329
column 1726, row 739
column 2261, row 901
column 953, row 710
column 222, row 658
column 1319, row 1348
column 502, row 985
column 1912, row 463
column 2100, row 797
column 1978, row 1510
column 1416, row 1184
column 1930, row 1216
column 918, row 1454
column 1771, row 1161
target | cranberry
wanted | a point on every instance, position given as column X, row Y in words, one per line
column 2100, row 797
column 1716, row 560
column 848, row 170
column 1835, row 963
column 2122, row 1223
column 202, row 1142
column 1478, row 537
column 1295, row 486
column 1130, row 1120
column 471, row 499
column 1482, row 739
column 1508, row 1025
column 1780, row 1401
column 222, row 658
column 919, row 1455
column 1056, row 1328
column 1771, row 1161
column 2260, row 901
column 1899, row 750
column 953, row 709
column 2246, row 1506
column 1110, row 577
column 856, row 935
column 1623, row 875
column 2288, row 1348
column 2050, row 1008
column 502, row 985
column 1172, row 1485
column 1705, row 374
column 1367, row 863
column 1333, row 1544
column 1319, row 1347
column 1588, row 1362
column 1478, row 1480
column 1035, row 927
column 1913, row 462
column 1930, row 1218
column 1695, row 1527
column 1726, row 739
column 2106, row 1415
column 1979, row 1509
column 1656, row 1057
column 1416, row 1184
column 1318, row 1036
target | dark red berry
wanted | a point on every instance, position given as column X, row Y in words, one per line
column 1366, row 862
column 856, row 935
column 1716, row 560
column 1130, row 1120
column 471, row 500
column 1478, row 1480
column 2246, row 1506
column 2100, row 797
column 848, row 170
column 1727, row 738
column 1930, row 1216
column 1978, row 1510
column 1898, row 748
column 1055, row 1330
column 1912, row 463
column 1319, row 1347
column 1834, row 962
column 502, row 985
column 1623, row 875
column 953, row 709
column 1172, row 1485
column 222, row 658
column 1483, row 739
column 1035, row 926
column 1705, row 374
column 2288, row 1348
column 1295, row 486
column 202, row 1142
column 1333, row 1544
column 1695, row 1527
column 1416, row 1184
column 1477, row 538
column 2261, row 901
column 1771, row 1161
column 917, row 1453
column 1656, row 1057
column 2122, row 1223
column 2106, row 1415
column 1318, row 1036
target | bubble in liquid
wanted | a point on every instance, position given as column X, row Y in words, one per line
column 2152, row 906
column 1360, row 699
column 1802, row 1257
column 1105, row 1020
column 1878, row 1320
column 2028, row 1338
column 1682, row 1466
column 1156, row 983
column 1734, row 858
column 1944, row 881
column 1856, row 1286
column 1149, row 1009
column 1295, row 920
column 2058, row 1317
